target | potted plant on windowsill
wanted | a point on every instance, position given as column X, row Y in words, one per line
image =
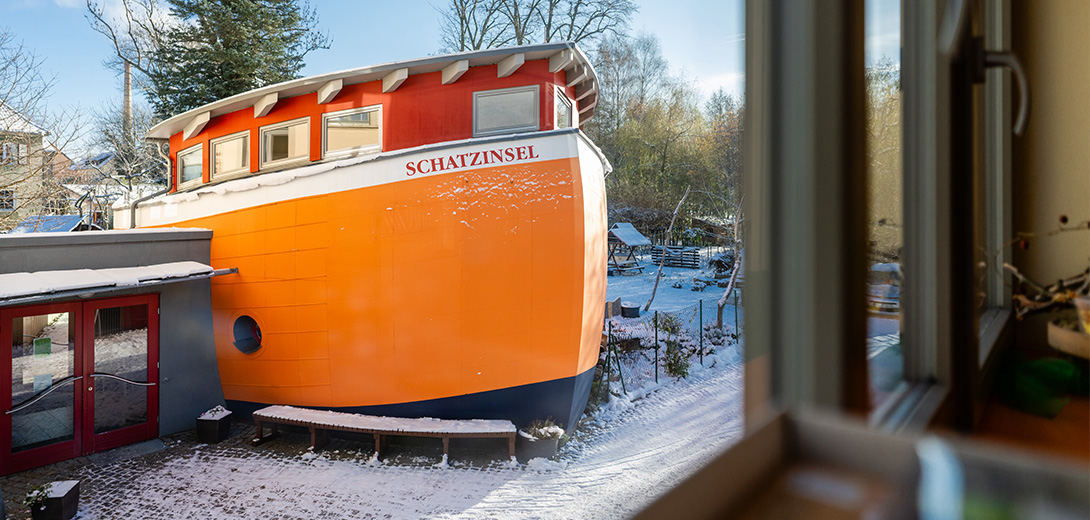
column 1068, row 298
column 214, row 425
column 540, row 439
column 53, row 501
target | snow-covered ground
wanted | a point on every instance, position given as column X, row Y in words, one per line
column 635, row 447
column 629, row 453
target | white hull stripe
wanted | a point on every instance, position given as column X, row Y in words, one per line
column 354, row 173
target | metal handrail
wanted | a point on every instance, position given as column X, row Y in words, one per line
column 119, row 378
column 23, row 405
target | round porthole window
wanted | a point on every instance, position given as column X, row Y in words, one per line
column 247, row 335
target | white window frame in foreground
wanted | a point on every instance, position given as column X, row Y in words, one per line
column 266, row 164
column 237, row 172
column 562, row 100
column 481, row 98
column 376, row 110
column 198, row 150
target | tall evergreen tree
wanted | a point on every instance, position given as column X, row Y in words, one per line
column 210, row 49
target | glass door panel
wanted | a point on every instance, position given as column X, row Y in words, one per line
column 43, row 380
column 121, row 367
column 120, row 358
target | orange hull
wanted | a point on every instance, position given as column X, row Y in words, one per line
column 380, row 283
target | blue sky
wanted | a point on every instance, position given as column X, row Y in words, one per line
column 701, row 38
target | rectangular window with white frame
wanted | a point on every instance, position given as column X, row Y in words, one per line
column 506, row 111
column 563, row 110
column 190, row 167
column 285, row 143
column 231, row 156
column 350, row 132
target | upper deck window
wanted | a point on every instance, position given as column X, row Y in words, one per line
column 563, row 110
column 352, row 131
column 230, row 155
column 190, row 166
column 506, row 110
column 285, row 142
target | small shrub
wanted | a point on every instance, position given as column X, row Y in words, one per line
column 36, row 495
column 669, row 323
column 675, row 362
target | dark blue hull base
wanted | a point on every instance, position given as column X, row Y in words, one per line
column 563, row 400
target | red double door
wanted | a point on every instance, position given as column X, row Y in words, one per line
column 83, row 377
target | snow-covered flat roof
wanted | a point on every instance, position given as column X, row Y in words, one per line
column 22, row 288
column 628, row 234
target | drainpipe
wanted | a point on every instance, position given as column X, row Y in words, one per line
column 164, row 191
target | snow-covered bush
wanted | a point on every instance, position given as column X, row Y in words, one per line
column 542, row 429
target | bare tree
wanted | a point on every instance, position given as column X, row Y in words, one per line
column 135, row 160
column 591, row 20
column 137, row 37
column 32, row 138
column 473, row 25
column 665, row 243
column 484, row 24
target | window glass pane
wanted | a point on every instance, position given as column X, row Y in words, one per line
column 286, row 142
column 506, row 110
column 190, row 165
column 230, row 155
column 351, row 131
column 885, row 181
column 121, row 349
column 563, row 111
column 42, row 359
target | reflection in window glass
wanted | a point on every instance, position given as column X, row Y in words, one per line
column 230, row 155
column 353, row 131
column 42, row 359
column 121, row 350
column 884, row 180
column 563, row 110
column 286, row 142
column 506, row 110
column 190, row 165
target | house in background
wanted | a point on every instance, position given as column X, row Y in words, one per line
column 29, row 169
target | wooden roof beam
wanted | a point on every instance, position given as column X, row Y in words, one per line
column 585, row 89
column 588, row 106
column 509, row 65
column 452, row 72
column 195, row 125
column 329, row 91
column 394, row 80
column 577, row 74
column 265, row 105
column 560, row 60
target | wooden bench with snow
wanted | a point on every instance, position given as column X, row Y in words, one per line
column 319, row 422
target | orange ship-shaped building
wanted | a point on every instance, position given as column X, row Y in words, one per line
column 420, row 238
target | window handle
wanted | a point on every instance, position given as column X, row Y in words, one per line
column 1008, row 59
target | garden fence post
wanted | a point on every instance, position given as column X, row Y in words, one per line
column 657, row 345
column 700, row 323
column 607, row 370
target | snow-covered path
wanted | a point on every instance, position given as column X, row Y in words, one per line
column 632, row 452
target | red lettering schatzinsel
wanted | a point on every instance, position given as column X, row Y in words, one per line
column 469, row 159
